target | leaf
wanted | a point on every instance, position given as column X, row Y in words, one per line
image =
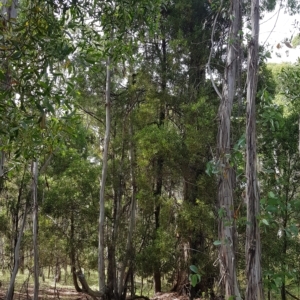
column 17, row 55
column 209, row 169
column 194, row 269
column 90, row 60
column 193, row 279
column 271, row 195
column 265, row 222
column 217, row 243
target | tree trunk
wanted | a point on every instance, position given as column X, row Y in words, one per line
column 111, row 248
column 8, row 11
column 299, row 134
column 101, row 245
column 129, row 254
column 2, row 162
column 10, row 291
column 160, row 160
column 157, row 194
column 34, row 171
column 254, row 289
column 226, row 176
column 16, row 242
column 73, row 255
column 86, row 288
column 285, row 244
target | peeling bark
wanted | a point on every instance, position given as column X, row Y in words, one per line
column 254, row 289
column 226, row 177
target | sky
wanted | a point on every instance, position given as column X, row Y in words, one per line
column 276, row 27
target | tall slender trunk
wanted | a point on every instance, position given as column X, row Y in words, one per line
column 254, row 290
column 118, row 194
column 299, row 134
column 226, row 176
column 285, row 243
column 157, row 194
column 2, row 162
column 72, row 254
column 101, row 245
column 10, row 291
column 8, row 11
column 18, row 237
column 129, row 254
column 160, row 160
column 34, row 171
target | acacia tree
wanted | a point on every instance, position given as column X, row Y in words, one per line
column 254, row 289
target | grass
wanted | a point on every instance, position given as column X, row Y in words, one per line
column 24, row 282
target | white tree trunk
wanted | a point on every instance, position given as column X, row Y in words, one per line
column 226, row 176
column 101, row 246
column 254, row 289
column 34, row 171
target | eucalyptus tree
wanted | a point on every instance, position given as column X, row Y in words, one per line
column 254, row 288
column 226, row 175
column 121, row 18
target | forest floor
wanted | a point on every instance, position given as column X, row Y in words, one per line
column 70, row 294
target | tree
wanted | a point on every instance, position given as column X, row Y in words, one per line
column 226, row 175
column 254, row 288
column 34, row 172
column 101, row 264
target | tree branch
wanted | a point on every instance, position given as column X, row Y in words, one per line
column 211, row 51
column 292, row 295
column 90, row 113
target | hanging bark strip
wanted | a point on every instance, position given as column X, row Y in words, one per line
column 253, row 247
column 226, row 176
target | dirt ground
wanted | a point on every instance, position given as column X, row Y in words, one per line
column 69, row 294
column 50, row 293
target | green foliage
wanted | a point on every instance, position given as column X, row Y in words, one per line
column 163, row 133
column 289, row 77
column 195, row 277
column 296, row 41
